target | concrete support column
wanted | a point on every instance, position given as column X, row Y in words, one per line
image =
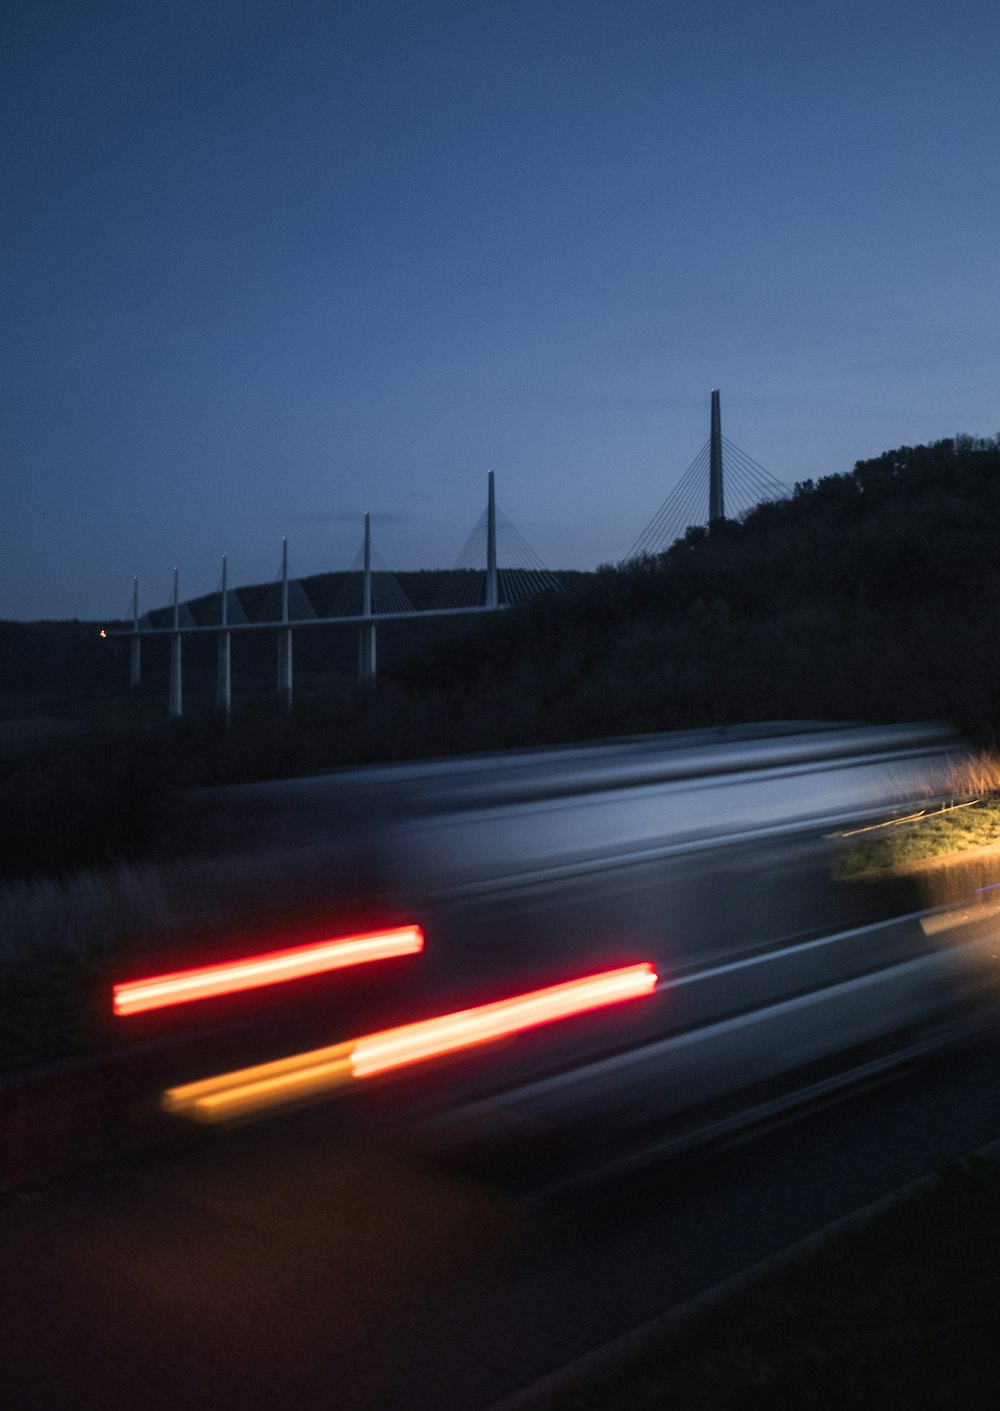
column 366, row 636
column 135, row 654
column 176, row 692
column 491, row 544
column 176, row 689
column 285, row 636
column 285, row 666
column 224, row 677
column 367, row 653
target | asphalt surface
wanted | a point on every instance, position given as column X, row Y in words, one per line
column 303, row 1263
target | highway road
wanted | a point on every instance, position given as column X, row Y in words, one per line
column 311, row 1263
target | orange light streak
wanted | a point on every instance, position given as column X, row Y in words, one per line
column 270, row 968
column 310, row 1074
column 232, row 1095
column 428, row 1038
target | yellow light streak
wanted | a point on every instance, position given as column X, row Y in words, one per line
column 230, row 1095
column 306, row 1075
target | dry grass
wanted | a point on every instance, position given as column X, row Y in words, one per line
column 48, row 922
column 69, row 923
column 968, row 830
column 963, row 826
column 974, row 775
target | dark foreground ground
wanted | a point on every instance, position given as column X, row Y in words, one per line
column 311, row 1264
column 897, row 1309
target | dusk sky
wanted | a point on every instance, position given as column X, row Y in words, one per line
column 269, row 265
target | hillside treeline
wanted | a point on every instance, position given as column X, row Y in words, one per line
column 870, row 595
column 873, row 595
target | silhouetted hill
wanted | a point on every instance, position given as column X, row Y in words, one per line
column 874, row 594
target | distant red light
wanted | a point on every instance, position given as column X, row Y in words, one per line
column 270, row 968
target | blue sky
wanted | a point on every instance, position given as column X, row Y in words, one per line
column 268, row 265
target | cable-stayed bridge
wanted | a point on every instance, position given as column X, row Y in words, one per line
column 495, row 568
column 369, row 595
column 734, row 483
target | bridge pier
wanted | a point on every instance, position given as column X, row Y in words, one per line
column 176, row 706
column 367, row 654
column 285, row 666
column 135, row 653
column 176, row 692
column 224, row 676
column 285, row 635
column 366, row 636
column 491, row 543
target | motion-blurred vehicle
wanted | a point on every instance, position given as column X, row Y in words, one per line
column 701, row 873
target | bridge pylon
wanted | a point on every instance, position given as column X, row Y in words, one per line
column 732, row 475
column 716, row 489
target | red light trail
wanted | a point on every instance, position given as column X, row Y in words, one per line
column 270, row 968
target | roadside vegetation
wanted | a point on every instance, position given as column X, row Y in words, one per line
column 892, row 849
column 952, row 849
